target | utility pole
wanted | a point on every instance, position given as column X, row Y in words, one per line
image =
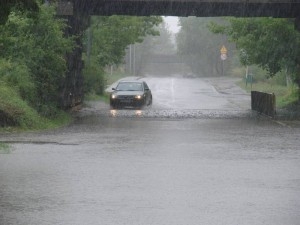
column 130, row 59
column 134, row 60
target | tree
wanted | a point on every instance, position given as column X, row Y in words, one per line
column 161, row 44
column 25, row 5
column 38, row 47
column 272, row 44
column 111, row 35
column 199, row 46
column 106, row 41
column 153, row 46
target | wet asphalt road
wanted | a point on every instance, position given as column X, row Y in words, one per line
column 197, row 156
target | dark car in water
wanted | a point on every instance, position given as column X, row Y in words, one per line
column 132, row 93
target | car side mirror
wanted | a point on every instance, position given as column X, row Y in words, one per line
column 113, row 89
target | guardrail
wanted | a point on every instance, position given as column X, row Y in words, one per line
column 263, row 103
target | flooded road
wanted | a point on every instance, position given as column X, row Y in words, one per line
column 198, row 155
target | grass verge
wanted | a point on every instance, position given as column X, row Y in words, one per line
column 94, row 97
column 115, row 76
column 110, row 79
column 4, row 148
column 285, row 96
column 17, row 115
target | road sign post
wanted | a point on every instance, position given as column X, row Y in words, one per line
column 223, row 52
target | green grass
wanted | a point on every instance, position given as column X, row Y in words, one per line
column 285, row 96
column 22, row 116
column 104, row 98
column 61, row 119
column 4, row 148
column 92, row 97
column 110, row 79
column 41, row 123
column 95, row 97
column 115, row 76
column 289, row 98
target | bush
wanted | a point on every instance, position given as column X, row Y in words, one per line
column 94, row 81
column 15, row 111
column 33, row 57
column 17, row 75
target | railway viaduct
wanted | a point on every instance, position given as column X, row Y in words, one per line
column 77, row 13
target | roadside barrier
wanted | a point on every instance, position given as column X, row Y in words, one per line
column 263, row 103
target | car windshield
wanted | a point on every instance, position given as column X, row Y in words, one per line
column 129, row 86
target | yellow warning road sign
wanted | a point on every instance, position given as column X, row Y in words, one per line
column 223, row 50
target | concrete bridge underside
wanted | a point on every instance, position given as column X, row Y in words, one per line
column 201, row 8
column 77, row 12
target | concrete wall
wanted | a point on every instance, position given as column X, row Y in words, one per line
column 205, row 8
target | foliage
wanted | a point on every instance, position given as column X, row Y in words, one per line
column 106, row 41
column 17, row 76
column 4, row 148
column 14, row 111
column 24, row 5
column 290, row 98
column 34, row 51
column 111, row 35
column 272, row 44
column 152, row 46
column 161, row 44
column 284, row 95
column 94, row 78
column 115, row 76
column 200, row 47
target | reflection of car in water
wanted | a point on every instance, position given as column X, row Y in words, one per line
column 131, row 94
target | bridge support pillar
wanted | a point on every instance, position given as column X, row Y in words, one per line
column 297, row 23
column 72, row 92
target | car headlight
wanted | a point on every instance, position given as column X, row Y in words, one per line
column 138, row 96
column 113, row 96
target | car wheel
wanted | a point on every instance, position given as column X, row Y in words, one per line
column 150, row 101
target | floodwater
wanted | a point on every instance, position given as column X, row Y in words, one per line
column 198, row 155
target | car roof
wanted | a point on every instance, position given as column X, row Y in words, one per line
column 131, row 81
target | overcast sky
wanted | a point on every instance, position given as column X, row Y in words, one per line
column 172, row 23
